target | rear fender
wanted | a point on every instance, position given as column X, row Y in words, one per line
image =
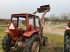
column 30, row 33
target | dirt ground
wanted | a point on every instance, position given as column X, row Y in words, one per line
column 56, row 29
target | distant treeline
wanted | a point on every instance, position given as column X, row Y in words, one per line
column 7, row 21
column 4, row 21
column 63, row 18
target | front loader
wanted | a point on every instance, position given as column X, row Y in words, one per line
column 25, row 32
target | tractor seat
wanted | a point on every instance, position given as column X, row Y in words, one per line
column 21, row 30
column 31, row 27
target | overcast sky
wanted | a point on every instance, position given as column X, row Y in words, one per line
column 7, row 7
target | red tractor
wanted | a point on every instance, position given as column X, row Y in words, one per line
column 67, row 38
column 25, row 32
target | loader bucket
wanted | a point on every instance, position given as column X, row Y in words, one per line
column 43, row 8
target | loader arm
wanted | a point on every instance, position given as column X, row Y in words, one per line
column 43, row 9
column 42, row 18
column 35, row 12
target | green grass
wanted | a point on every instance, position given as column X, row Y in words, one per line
column 55, row 39
column 2, row 29
column 55, row 43
column 2, row 34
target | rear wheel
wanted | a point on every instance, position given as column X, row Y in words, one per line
column 6, row 43
column 33, row 44
column 35, row 47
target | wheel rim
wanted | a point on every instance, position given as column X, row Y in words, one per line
column 35, row 47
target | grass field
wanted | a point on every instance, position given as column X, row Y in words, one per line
column 55, row 42
column 2, row 29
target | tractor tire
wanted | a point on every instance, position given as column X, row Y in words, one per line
column 33, row 44
column 6, row 43
column 67, row 41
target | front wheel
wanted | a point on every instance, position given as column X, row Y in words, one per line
column 44, row 41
